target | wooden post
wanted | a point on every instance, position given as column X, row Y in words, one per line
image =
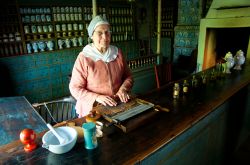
column 94, row 8
column 158, row 50
column 248, row 50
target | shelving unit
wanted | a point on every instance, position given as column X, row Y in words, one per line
column 101, row 10
column 38, row 29
column 167, row 19
column 44, row 28
column 69, row 26
column 167, row 23
column 10, row 32
column 122, row 21
column 56, row 27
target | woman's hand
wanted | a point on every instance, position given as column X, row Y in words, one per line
column 123, row 95
column 106, row 100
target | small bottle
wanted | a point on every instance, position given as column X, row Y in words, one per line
column 185, row 87
column 176, row 90
column 204, row 78
column 213, row 75
column 194, row 82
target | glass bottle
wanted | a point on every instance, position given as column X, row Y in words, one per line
column 194, row 82
column 213, row 75
column 204, row 78
column 176, row 91
column 185, row 87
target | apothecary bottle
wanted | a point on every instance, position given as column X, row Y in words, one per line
column 176, row 91
column 185, row 87
column 194, row 82
column 213, row 75
column 204, row 78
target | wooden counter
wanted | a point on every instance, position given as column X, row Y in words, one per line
column 134, row 147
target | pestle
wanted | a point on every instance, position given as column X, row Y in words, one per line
column 61, row 139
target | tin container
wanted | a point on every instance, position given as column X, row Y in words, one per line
column 90, row 139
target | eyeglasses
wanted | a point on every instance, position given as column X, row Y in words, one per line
column 100, row 33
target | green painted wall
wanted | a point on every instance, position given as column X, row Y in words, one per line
column 41, row 76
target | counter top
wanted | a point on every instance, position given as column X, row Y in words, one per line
column 16, row 113
column 117, row 147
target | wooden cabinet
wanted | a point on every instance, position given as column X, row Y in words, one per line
column 10, row 32
column 44, row 28
column 122, row 21
column 168, row 15
column 40, row 28
column 28, row 29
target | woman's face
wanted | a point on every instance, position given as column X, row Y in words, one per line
column 101, row 37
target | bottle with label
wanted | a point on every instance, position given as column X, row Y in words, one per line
column 204, row 78
column 176, row 91
column 194, row 82
column 185, row 87
column 213, row 75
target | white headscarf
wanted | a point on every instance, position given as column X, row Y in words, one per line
column 96, row 21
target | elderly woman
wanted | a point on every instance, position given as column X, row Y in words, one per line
column 100, row 73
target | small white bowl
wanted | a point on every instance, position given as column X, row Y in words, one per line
column 51, row 142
